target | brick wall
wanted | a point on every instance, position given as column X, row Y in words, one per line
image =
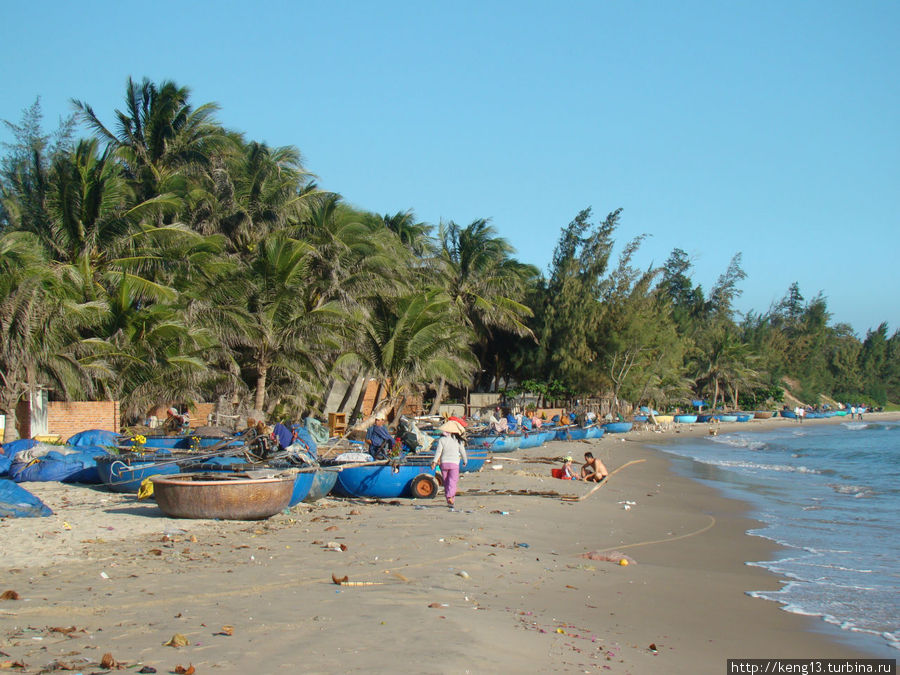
column 200, row 414
column 65, row 419
column 414, row 404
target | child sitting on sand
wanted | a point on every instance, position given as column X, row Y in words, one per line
column 568, row 471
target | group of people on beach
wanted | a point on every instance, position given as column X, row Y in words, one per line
column 450, row 455
column 593, row 469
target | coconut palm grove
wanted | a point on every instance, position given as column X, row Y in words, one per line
column 150, row 253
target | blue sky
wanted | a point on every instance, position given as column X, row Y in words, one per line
column 766, row 128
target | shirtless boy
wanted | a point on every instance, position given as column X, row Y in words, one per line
column 593, row 469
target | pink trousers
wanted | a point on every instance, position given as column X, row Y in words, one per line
column 450, row 474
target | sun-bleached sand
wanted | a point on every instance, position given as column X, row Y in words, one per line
column 498, row 585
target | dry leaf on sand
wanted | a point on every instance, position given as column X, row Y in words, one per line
column 9, row 595
column 181, row 670
column 178, row 640
column 108, row 662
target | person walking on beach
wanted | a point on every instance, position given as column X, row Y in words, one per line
column 451, row 449
column 593, row 469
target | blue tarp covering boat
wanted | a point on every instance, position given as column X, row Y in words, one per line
column 17, row 502
column 62, row 463
column 95, row 438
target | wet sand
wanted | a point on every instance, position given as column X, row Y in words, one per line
column 497, row 585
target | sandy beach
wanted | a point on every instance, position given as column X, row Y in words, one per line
column 501, row 584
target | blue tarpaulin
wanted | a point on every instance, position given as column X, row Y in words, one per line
column 17, row 502
column 95, row 437
column 69, row 467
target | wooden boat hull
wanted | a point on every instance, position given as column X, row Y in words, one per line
column 380, row 480
column 664, row 419
column 228, row 497
column 125, row 473
column 762, row 414
column 618, row 427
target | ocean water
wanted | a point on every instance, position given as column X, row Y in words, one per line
column 830, row 494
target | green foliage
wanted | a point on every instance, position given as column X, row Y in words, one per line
column 167, row 258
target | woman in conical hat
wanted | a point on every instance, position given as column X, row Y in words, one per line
column 451, row 449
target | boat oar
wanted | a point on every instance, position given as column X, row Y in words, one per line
column 602, row 483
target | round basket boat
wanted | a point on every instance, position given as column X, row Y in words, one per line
column 226, row 497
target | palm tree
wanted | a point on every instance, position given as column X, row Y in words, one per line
column 39, row 327
column 409, row 340
column 250, row 192
column 485, row 284
column 160, row 138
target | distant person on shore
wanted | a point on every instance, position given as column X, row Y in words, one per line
column 450, row 451
column 175, row 423
column 799, row 412
column 379, row 439
column 860, row 409
column 593, row 469
column 497, row 422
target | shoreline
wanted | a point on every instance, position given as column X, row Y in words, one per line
column 499, row 584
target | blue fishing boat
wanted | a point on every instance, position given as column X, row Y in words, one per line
column 302, row 484
column 475, row 457
column 685, row 419
column 789, row 414
column 323, row 482
column 571, row 432
column 125, row 473
column 640, row 418
column 726, row 418
column 386, row 480
column 531, row 439
column 702, row 418
column 595, row 431
column 744, row 417
column 618, row 427
column 179, row 442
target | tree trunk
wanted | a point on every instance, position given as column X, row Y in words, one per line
column 261, row 387
column 401, row 404
column 359, row 399
column 715, row 395
column 350, row 384
column 10, row 433
column 439, row 394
